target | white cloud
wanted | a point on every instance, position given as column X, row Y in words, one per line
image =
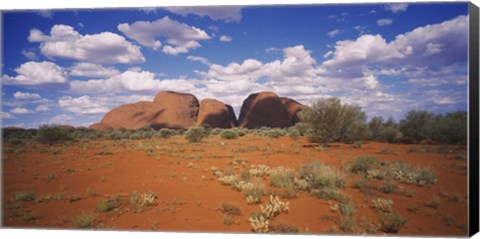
column 101, row 48
column 80, row 24
column 61, row 119
column 250, row 69
column 334, row 32
column 226, row 38
column 225, row 13
column 180, row 36
column 30, row 55
column 92, row 70
column 360, row 29
column 42, row 108
column 407, row 49
column 384, row 22
column 200, row 59
column 396, row 7
column 132, row 81
column 83, row 105
column 433, row 48
column 45, row 14
column 26, row 96
column 37, row 73
column 6, row 115
column 148, row 10
column 21, row 111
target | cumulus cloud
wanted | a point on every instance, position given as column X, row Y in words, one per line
column 101, row 48
column 421, row 47
column 334, row 32
column 92, row 70
column 180, row 37
column 132, row 81
column 83, row 105
column 384, row 22
column 37, row 73
column 396, row 7
column 224, row 13
column 61, row 119
column 45, row 14
column 30, row 55
column 21, row 111
column 26, row 96
column 250, row 69
column 226, row 38
column 42, row 108
column 6, row 115
column 200, row 59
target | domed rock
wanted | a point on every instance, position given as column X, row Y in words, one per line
column 216, row 114
column 264, row 109
column 178, row 110
column 100, row 127
column 293, row 107
column 168, row 110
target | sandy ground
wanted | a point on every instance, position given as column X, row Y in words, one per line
column 74, row 177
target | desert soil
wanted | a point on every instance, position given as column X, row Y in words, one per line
column 71, row 179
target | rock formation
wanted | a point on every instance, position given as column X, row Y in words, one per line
column 293, row 107
column 168, row 110
column 179, row 110
column 216, row 114
column 264, row 109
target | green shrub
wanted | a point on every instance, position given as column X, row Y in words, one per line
column 15, row 141
column 391, row 222
column 25, row 196
column 328, row 121
column 229, row 134
column 51, row 134
column 165, row 133
column 293, row 133
column 230, row 209
column 407, row 174
column 86, row 221
column 302, row 128
column 106, row 205
column 194, row 134
column 417, row 126
column 281, row 177
column 318, row 175
column 275, row 133
column 363, row 164
column 216, row 131
column 253, row 191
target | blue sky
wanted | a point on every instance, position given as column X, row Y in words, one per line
column 71, row 67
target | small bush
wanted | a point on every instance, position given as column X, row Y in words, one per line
column 406, row 173
column 106, row 205
column 230, row 209
column 382, row 205
column 194, row 134
column 165, row 133
column 319, row 175
column 275, row 133
column 85, row 221
column 391, row 222
column 281, row 177
column 52, row 134
column 363, row 164
column 284, row 228
column 253, row 192
column 25, row 196
column 293, row 133
column 229, row 134
column 15, row 141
